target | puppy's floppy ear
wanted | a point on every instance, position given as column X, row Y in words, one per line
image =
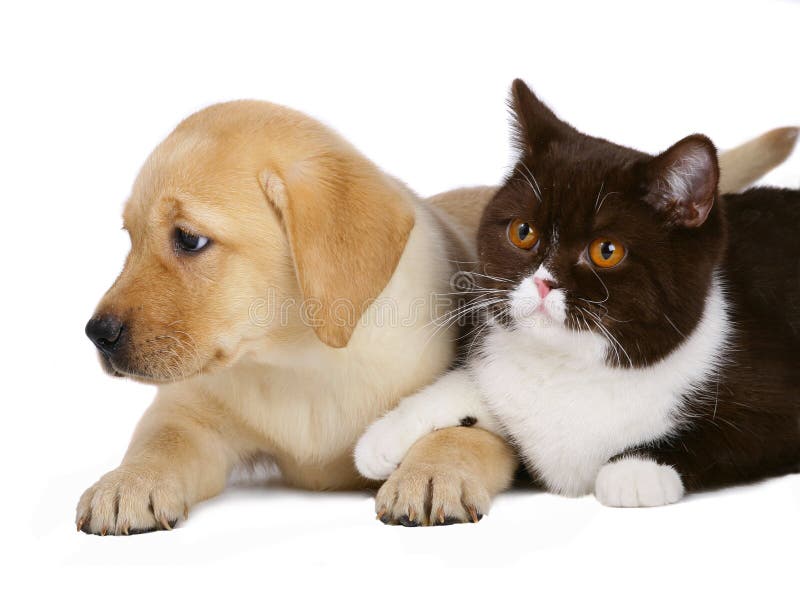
column 347, row 224
column 683, row 181
column 536, row 126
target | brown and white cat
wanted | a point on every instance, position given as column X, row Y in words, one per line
column 642, row 337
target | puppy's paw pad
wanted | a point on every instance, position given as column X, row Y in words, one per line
column 131, row 501
column 638, row 482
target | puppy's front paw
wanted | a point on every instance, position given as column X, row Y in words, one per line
column 637, row 482
column 420, row 494
column 381, row 449
column 131, row 500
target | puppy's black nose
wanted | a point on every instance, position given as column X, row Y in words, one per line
column 104, row 331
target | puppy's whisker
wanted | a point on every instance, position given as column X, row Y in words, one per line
column 188, row 349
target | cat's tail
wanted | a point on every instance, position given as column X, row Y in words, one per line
column 743, row 165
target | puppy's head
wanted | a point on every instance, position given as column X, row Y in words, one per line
column 251, row 226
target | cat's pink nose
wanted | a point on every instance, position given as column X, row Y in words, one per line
column 543, row 286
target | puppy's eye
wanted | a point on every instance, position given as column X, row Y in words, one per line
column 189, row 242
column 606, row 252
column 522, row 234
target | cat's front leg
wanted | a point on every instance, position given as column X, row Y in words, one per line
column 637, row 479
column 453, row 400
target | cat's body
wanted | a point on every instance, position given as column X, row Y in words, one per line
column 637, row 344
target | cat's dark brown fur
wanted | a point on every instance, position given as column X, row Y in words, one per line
column 744, row 423
column 748, row 427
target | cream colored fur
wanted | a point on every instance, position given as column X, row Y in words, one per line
column 287, row 205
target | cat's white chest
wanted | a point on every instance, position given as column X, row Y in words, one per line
column 568, row 412
column 567, row 422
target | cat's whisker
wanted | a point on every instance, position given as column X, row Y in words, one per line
column 526, row 180
column 483, row 306
column 467, row 305
column 616, row 345
column 597, row 199
column 674, row 326
column 476, row 290
column 580, row 323
column 604, row 310
column 493, row 277
column 593, row 301
column 460, row 312
column 446, row 320
column 619, row 345
column 477, row 331
column 605, row 287
column 536, row 191
column 608, row 316
column 603, row 200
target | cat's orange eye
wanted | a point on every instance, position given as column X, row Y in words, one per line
column 522, row 234
column 606, row 252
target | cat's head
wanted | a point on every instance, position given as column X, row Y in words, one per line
column 587, row 236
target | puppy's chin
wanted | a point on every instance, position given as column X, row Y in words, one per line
column 105, row 364
column 117, row 369
column 121, row 366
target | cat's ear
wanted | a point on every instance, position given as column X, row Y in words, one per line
column 683, row 181
column 536, row 126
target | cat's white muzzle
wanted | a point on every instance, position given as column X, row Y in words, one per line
column 530, row 309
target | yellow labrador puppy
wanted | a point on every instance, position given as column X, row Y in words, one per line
column 283, row 292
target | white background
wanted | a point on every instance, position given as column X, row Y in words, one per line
column 87, row 92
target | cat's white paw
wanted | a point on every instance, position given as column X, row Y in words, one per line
column 637, row 482
column 380, row 450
